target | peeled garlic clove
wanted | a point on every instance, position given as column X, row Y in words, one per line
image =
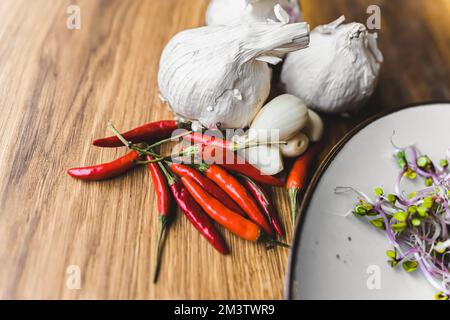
column 314, row 127
column 266, row 158
column 296, row 146
column 216, row 74
column 228, row 12
column 283, row 116
column 339, row 70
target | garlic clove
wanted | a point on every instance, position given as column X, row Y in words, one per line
column 296, row 146
column 229, row 12
column 283, row 116
column 266, row 158
column 339, row 70
column 212, row 74
column 314, row 127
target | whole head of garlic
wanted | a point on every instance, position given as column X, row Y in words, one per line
column 227, row 12
column 219, row 75
column 338, row 71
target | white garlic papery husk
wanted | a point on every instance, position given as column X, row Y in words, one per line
column 219, row 75
column 338, row 71
column 228, row 12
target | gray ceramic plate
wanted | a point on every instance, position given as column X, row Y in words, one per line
column 337, row 257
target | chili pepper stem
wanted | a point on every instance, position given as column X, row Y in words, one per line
column 170, row 178
column 164, row 222
column 168, row 139
column 293, row 193
column 147, row 151
column 117, row 133
column 270, row 241
column 237, row 146
column 130, row 145
column 277, row 243
column 150, row 161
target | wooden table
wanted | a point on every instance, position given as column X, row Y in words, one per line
column 59, row 88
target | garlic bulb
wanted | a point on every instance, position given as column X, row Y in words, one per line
column 295, row 146
column 227, row 12
column 339, row 70
column 219, row 75
column 284, row 116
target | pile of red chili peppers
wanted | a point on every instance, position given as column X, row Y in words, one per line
column 233, row 195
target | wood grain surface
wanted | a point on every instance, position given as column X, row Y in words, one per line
column 59, row 88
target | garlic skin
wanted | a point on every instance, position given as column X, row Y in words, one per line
column 296, row 146
column 314, row 127
column 229, row 12
column 285, row 115
column 219, row 75
column 338, row 72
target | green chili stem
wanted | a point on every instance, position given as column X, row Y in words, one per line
column 168, row 140
column 293, row 193
column 170, row 178
column 237, row 146
column 268, row 240
column 119, row 135
column 164, row 221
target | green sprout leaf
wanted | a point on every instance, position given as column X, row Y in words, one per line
column 360, row 210
column 410, row 266
column 441, row 296
column 422, row 211
column 378, row 223
column 367, row 205
column 393, row 263
column 391, row 254
column 410, row 174
column 401, row 159
column 428, row 202
column 379, row 192
column 398, row 227
column 438, row 248
column 428, row 182
column 401, row 216
column 415, row 222
column 412, row 209
column 412, row 194
column 391, row 198
column 423, row 162
column 443, row 163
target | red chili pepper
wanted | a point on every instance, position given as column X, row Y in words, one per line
column 204, row 139
column 164, row 208
column 231, row 220
column 264, row 202
column 106, row 170
column 196, row 215
column 237, row 192
column 149, row 132
column 298, row 175
column 207, row 184
column 164, row 196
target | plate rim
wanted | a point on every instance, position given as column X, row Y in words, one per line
column 323, row 166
